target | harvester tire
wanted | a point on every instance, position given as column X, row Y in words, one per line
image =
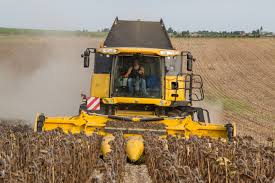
column 230, row 132
column 40, row 122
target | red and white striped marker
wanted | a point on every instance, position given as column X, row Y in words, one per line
column 93, row 103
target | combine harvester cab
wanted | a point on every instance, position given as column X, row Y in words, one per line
column 140, row 84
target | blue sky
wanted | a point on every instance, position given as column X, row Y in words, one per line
column 191, row 15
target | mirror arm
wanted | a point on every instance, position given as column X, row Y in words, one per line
column 91, row 50
column 88, row 51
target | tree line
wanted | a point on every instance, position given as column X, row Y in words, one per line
column 205, row 33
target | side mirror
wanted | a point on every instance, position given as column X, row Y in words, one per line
column 86, row 61
column 189, row 62
column 86, row 56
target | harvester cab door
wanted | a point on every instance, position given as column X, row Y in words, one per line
column 101, row 72
column 100, row 83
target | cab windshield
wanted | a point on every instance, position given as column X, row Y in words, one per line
column 137, row 76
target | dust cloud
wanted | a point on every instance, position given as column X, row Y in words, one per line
column 46, row 75
column 215, row 108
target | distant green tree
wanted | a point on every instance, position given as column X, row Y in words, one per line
column 185, row 33
column 175, row 33
column 105, row 30
column 170, row 30
column 256, row 33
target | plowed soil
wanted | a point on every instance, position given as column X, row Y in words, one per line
column 239, row 74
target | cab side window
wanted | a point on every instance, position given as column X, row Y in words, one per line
column 172, row 65
column 103, row 63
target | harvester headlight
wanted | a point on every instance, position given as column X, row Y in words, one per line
column 171, row 68
column 169, row 52
column 108, row 50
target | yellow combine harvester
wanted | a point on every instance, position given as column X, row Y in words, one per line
column 140, row 84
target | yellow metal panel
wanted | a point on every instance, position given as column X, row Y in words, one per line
column 149, row 51
column 169, row 91
column 105, row 145
column 89, row 123
column 100, row 85
column 128, row 100
column 134, row 148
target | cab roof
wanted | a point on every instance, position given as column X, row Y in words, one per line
column 142, row 34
